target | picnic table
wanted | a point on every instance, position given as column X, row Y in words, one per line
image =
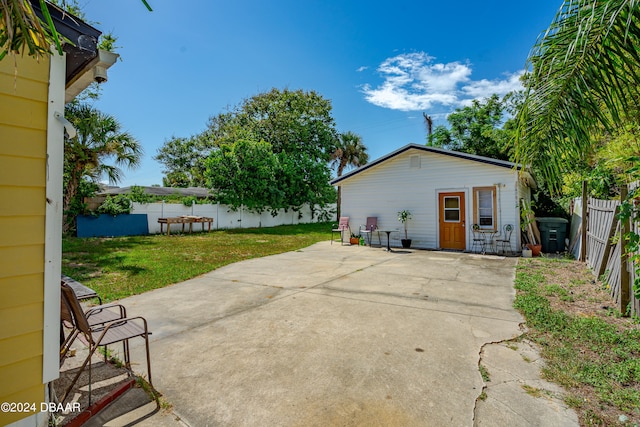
column 187, row 219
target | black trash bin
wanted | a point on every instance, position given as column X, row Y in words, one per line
column 553, row 232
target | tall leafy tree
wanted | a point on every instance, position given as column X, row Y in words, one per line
column 476, row 129
column 585, row 79
column 184, row 160
column 245, row 174
column 350, row 152
column 300, row 133
column 99, row 150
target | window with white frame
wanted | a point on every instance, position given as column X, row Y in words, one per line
column 484, row 212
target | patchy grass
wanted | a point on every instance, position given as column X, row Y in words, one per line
column 532, row 391
column 484, row 372
column 123, row 266
column 589, row 349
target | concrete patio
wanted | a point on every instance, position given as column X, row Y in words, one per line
column 340, row 335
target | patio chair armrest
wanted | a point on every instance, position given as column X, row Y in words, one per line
column 95, row 310
column 104, row 327
column 130, row 319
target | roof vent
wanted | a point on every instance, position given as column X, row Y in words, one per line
column 414, row 162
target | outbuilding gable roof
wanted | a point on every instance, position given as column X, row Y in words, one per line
column 472, row 157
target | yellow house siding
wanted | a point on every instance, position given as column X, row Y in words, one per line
column 22, row 171
column 20, row 290
column 32, row 112
column 22, row 396
column 27, row 229
column 23, row 153
column 22, row 142
column 30, row 343
column 19, row 259
column 21, row 320
column 28, row 370
column 18, row 201
column 30, row 87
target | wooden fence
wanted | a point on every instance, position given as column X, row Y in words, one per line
column 603, row 256
column 601, row 224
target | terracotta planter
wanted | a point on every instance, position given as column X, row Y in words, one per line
column 535, row 249
column 354, row 240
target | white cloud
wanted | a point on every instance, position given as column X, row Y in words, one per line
column 415, row 81
column 361, row 69
column 485, row 88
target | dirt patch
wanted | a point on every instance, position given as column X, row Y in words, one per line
column 572, row 288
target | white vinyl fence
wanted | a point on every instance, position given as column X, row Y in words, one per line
column 224, row 217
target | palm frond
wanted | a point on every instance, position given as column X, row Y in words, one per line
column 21, row 29
column 585, row 75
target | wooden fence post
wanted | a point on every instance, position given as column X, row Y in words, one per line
column 608, row 245
column 583, row 236
column 624, row 273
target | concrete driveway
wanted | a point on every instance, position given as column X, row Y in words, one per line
column 330, row 335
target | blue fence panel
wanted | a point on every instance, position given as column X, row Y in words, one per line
column 112, row 226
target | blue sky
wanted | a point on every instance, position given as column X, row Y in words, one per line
column 382, row 64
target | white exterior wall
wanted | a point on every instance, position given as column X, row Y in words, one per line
column 393, row 185
column 223, row 216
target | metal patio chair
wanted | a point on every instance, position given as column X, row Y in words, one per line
column 343, row 225
column 504, row 241
column 369, row 228
column 96, row 331
column 479, row 244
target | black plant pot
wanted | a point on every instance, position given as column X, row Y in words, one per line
column 406, row 243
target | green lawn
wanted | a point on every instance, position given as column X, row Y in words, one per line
column 588, row 347
column 123, row 266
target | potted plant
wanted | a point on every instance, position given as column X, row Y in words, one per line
column 355, row 239
column 403, row 217
column 528, row 217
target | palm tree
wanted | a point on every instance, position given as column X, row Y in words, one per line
column 585, row 78
column 350, row 152
column 99, row 139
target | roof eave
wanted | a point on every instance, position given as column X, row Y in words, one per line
column 472, row 157
column 85, row 62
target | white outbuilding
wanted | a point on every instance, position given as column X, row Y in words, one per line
column 447, row 192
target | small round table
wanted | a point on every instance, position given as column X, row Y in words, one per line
column 388, row 237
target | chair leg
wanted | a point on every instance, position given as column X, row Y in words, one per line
column 146, row 342
column 66, row 345
column 92, row 349
column 511, row 252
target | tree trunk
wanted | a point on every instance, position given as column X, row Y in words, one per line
column 341, row 167
column 338, row 203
